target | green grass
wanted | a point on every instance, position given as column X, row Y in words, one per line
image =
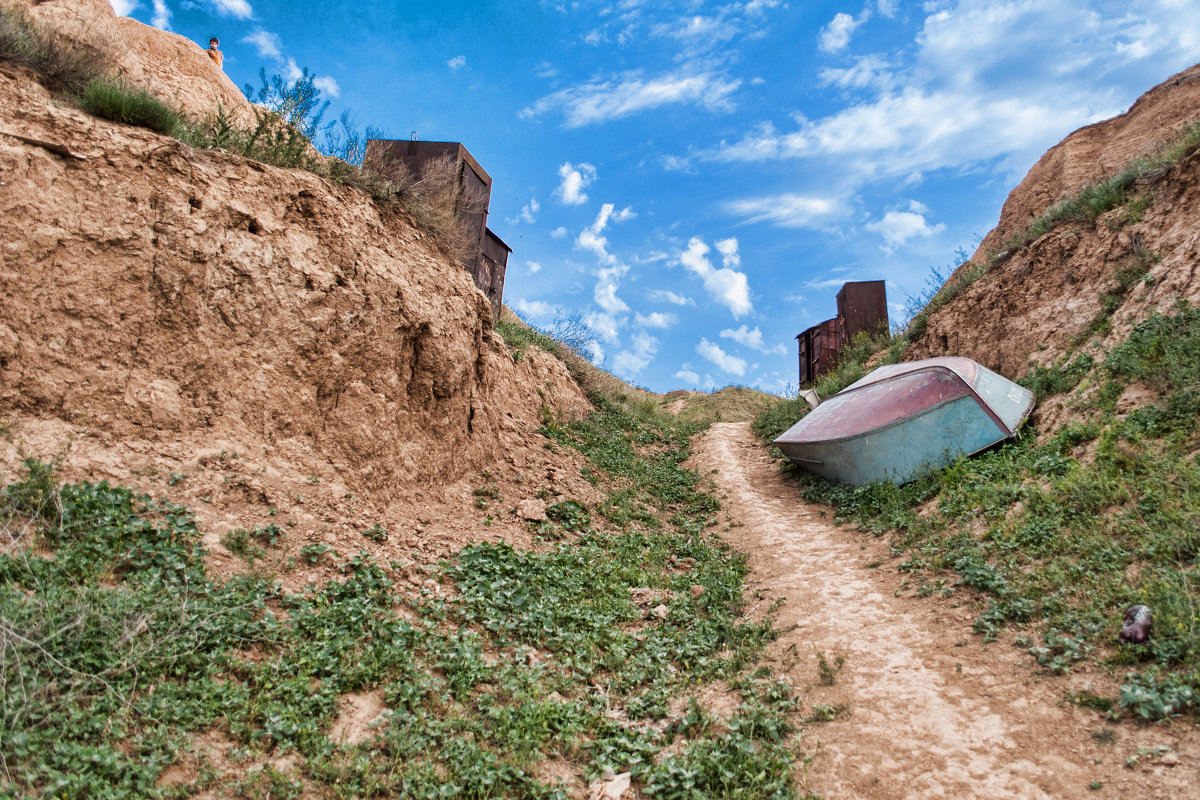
column 113, row 99
column 122, row 651
column 27, row 44
column 1057, row 545
column 520, row 337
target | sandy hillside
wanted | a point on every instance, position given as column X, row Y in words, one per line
column 1048, row 298
column 246, row 339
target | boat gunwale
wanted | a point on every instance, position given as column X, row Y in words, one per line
column 928, row 410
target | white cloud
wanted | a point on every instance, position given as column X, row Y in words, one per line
column 624, row 215
column 328, row 85
column 667, row 296
column 672, row 163
column 731, row 365
column 752, row 339
column 528, row 214
column 897, row 227
column 727, row 286
column 836, row 35
column 122, row 8
column 787, row 210
column 656, row 319
column 638, row 356
column 983, row 84
column 632, row 92
column 162, row 15
column 558, row 233
column 887, row 8
column 533, row 267
column 238, row 9
column 574, row 180
column 688, row 377
column 536, row 312
column 457, row 63
column 608, row 277
column 605, row 325
column 867, row 72
column 292, row 71
column 266, row 43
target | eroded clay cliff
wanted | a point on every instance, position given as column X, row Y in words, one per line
column 1047, row 299
column 155, row 291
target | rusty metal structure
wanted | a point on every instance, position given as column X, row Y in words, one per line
column 861, row 308
column 487, row 257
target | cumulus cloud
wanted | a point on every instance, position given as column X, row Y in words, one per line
column 533, row 267
column 528, row 214
column 238, row 9
column 558, row 233
column 122, row 8
column 725, row 285
column 973, row 89
column 641, row 352
column 457, row 63
column 897, row 227
column 667, row 296
column 656, row 319
column 836, row 35
column 266, row 43
column 753, row 339
column 608, row 277
column 328, row 85
column 688, row 377
column 574, row 180
column 162, row 15
column 604, row 325
column 633, row 92
column 537, row 312
column 727, row 363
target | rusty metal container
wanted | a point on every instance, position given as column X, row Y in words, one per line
column 487, row 258
column 862, row 308
column 819, row 347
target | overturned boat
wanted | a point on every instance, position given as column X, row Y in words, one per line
column 903, row 421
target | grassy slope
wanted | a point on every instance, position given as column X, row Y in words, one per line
column 121, row 652
column 1060, row 538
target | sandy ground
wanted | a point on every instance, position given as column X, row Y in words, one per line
column 931, row 711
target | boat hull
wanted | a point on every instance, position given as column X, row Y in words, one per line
column 907, row 421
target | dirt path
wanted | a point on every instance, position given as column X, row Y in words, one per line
column 932, row 711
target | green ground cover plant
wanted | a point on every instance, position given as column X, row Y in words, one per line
column 119, row 652
column 1059, row 538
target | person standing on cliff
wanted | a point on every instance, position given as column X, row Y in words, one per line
column 214, row 52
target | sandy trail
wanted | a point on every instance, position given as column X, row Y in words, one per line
column 933, row 712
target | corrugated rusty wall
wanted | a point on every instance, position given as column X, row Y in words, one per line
column 862, row 307
column 819, row 347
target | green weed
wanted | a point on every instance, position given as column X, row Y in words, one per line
column 121, row 650
column 1050, row 540
column 113, row 99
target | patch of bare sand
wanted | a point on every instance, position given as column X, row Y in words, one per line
column 933, row 712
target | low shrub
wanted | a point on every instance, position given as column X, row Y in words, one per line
column 59, row 66
column 116, row 100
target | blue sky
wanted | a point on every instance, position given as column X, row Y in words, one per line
column 698, row 179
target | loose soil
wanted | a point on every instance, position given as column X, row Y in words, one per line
column 930, row 710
